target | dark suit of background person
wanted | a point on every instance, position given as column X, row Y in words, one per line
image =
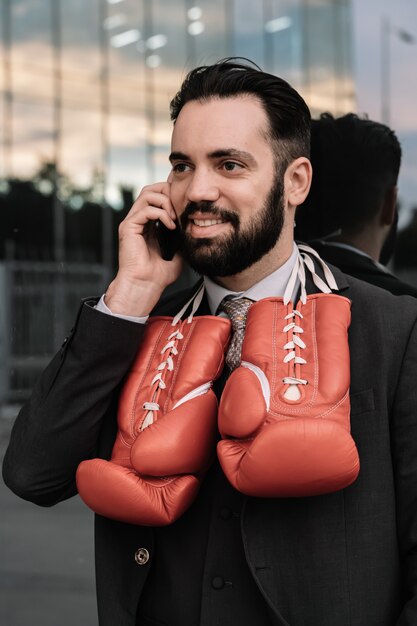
column 355, row 263
column 348, row 558
column 350, row 215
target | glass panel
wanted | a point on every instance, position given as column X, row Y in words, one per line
column 80, row 145
column 283, row 39
column 327, row 54
column 165, row 66
column 31, row 36
column 4, row 121
column 32, row 133
column 248, row 25
column 80, row 35
column 127, row 156
column 208, row 34
column 31, row 62
column 3, row 145
column 125, row 126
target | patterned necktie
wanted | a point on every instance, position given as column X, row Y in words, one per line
column 237, row 310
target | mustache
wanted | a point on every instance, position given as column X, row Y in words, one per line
column 209, row 208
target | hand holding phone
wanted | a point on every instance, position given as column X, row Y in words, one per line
column 168, row 240
column 143, row 273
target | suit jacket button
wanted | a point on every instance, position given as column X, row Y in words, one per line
column 217, row 582
column 141, row 556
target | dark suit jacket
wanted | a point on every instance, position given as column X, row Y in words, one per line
column 362, row 267
column 347, row 558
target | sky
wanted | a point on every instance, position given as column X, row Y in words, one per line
column 401, row 95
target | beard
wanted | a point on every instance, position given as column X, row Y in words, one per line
column 227, row 255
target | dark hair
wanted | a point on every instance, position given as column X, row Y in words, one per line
column 288, row 115
column 355, row 162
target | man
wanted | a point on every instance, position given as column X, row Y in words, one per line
column 239, row 169
column 350, row 215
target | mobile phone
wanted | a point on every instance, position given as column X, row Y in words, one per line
column 168, row 240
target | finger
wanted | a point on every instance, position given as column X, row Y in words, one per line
column 162, row 187
column 156, row 199
column 141, row 224
column 141, row 215
column 167, row 192
column 158, row 187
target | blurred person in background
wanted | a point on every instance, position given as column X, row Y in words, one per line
column 351, row 213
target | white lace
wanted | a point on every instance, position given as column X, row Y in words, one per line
column 303, row 259
column 263, row 381
column 169, row 351
column 196, row 300
column 290, row 345
column 326, row 286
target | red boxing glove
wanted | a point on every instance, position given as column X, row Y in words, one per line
column 167, row 420
column 284, row 413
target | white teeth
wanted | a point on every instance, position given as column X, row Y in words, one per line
column 207, row 222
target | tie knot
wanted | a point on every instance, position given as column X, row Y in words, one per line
column 237, row 310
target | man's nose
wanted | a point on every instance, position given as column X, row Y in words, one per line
column 202, row 187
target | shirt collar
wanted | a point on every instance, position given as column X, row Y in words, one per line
column 272, row 285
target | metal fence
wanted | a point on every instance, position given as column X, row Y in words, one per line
column 39, row 301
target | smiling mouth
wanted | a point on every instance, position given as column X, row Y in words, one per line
column 207, row 222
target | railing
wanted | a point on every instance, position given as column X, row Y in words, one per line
column 39, row 301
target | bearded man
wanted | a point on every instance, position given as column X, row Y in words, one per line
column 256, row 554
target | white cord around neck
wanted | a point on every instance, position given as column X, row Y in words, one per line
column 303, row 261
column 196, row 301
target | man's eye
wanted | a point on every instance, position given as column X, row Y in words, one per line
column 231, row 166
column 180, row 167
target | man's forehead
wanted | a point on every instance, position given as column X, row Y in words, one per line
column 220, row 124
column 223, row 106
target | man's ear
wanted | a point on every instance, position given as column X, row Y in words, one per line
column 297, row 181
column 389, row 206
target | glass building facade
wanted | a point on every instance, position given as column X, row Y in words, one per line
column 86, row 84
column 85, row 87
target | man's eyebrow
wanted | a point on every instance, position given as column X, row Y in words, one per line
column 231, row 152
column 178, row 156
column 216, row 154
